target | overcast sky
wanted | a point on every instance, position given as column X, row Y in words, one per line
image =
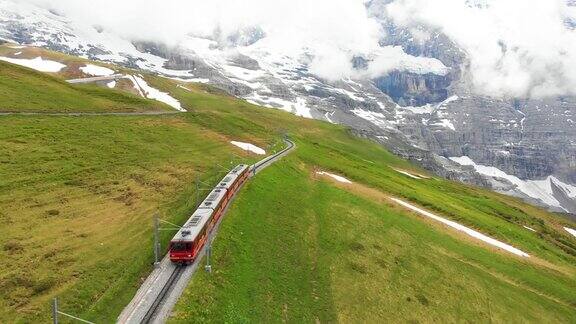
column 516, row 47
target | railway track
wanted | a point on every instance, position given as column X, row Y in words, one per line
column 160, row 292
column 259, row 166
column 178, row 270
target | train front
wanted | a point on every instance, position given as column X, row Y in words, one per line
column 181, row 251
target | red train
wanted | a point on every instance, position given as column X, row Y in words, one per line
column 191, row 237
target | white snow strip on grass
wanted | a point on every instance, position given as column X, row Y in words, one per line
column 37, row 64
column 96, row 70
column 464, row 229
column 111, row 84
column 334, row 176
column 249, row 147
column 529, row 228
column 18, row 53
column 152, row 93
column 407, row 174
column 135, row 84
column 571, row 231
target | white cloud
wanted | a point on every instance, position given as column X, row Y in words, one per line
column 329, row 32
column 516, row 47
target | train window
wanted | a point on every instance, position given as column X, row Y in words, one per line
column 181, row 246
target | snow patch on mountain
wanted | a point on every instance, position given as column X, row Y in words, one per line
column 249, row 147
column 37, row 64
column 153, row 93
column 297, row 107
column 537, row 189
column 445, row 123
column 375, row 118
column 96, row 70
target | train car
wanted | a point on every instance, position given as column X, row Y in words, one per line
column 234, row 179
column 217, row 200
column 191, row 237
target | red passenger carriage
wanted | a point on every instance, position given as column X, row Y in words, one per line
column 191, row 237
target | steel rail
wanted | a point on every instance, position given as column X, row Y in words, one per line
column 158, row 301
column 268, row 160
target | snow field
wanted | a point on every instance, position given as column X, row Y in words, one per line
column 96, row 70
column 249, row 147
column 37, row 64
column 153, row 93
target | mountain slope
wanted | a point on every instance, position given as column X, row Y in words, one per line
column 77, row 197
column 424, row 110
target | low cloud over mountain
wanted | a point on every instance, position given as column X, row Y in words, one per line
column 516, row 47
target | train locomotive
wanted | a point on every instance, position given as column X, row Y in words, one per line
column 193, row 235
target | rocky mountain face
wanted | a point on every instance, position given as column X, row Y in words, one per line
column 410, row 89
column 520, row 146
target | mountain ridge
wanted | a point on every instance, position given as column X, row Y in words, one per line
column 506, row 133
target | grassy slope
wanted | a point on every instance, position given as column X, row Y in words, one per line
column 316, row 252
column 74, row 189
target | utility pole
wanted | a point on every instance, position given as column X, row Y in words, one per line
column 208, row 267
column 55, row 311
column 197, row 203
column 156, row 240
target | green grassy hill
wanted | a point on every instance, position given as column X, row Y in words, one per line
column 299, row 248
column 77, row 196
